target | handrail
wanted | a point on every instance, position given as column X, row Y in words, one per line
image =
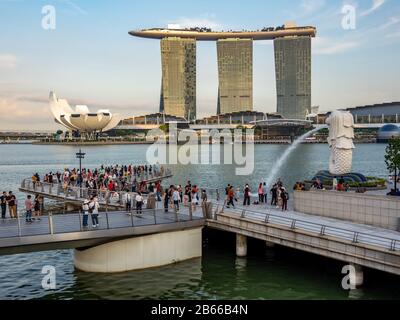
column 53, row 224
column 295, row 223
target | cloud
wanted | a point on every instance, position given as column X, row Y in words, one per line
column 311, row 6
column 393, row 35
column 376, row 4
column 392, row 21
column 23, row 115
column 8, row 61
column 206, row 20
column 74, row 6
column 328, row 46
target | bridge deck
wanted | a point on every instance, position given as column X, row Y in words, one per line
column 345, row 230
column 66, row 230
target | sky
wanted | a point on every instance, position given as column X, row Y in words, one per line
column 89, row 58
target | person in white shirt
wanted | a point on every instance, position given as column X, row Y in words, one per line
column 139, row 203
column 94, row 208
column 176, row 198
column 128, row 202
column 85, row 209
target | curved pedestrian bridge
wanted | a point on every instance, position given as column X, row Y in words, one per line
column 65, row 231
column 76, row 194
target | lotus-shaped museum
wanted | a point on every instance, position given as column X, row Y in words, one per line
column 81, row 119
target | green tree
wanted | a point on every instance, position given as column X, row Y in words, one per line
column 164, row 127
column 392, row 158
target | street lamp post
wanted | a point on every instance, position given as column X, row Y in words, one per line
column 80, row 155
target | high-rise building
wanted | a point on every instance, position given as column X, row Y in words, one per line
column 178, row 88
column 293, row 76
column 235, row 73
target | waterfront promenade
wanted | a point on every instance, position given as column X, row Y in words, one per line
column 358, row 244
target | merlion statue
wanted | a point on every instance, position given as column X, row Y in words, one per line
column 340, row 140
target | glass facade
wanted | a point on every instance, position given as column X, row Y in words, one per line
column 293, row 76
column 235, row 73
column 178, row 89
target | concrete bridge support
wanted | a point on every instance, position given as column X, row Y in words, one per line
column 356, row 278
column 241, row 245
column 269, row 244
column 140, row 252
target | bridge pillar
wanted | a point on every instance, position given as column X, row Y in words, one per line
column 269, row 244
column 140, row 252
column 241, row 245
column 357, row 279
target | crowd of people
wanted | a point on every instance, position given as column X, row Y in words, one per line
column 130, row 178
column 279, row 195
column 190, row 195
column 33, row 207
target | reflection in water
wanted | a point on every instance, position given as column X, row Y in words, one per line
column 167, row 282
column 240, row 264
column 356, row 294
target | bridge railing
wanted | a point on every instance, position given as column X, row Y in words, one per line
column 319, row 229
column 52, row 223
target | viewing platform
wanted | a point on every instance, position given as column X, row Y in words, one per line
column 75, row 194
column 208, row 35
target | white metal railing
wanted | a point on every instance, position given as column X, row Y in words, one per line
column 320, row 229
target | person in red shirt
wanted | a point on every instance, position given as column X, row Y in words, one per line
column 111, row 186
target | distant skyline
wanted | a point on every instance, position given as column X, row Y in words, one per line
column 91, row 59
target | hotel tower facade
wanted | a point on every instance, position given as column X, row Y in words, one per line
column 235, row 75
column 178, row 87
column 293, row 76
